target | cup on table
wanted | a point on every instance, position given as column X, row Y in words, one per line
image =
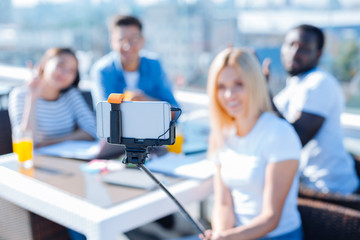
column 177, row 146
column 28, row 171
column 23, row 146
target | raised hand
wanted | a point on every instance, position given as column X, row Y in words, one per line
column 266, row 68
column 34, row 81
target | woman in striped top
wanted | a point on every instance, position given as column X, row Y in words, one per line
column 51, row 106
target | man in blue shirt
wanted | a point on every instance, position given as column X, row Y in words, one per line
column 128, row 68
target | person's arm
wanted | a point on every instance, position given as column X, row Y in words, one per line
column 223, row 214
column 278, row 180
column 27, row 113
column 141, row 96
column 97, row 88
column 162, row 88
column 28, row 117
column 85, row 118
column 306, row 125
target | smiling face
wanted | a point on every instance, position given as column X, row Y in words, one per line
column 128, row 41
column 299, row 52
column 232, row 93
column 60, row 71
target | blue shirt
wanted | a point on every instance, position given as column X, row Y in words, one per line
column 107, row 76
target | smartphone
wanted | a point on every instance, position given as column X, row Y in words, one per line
column 139, row 120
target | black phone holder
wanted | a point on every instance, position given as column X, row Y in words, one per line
column 137, row 151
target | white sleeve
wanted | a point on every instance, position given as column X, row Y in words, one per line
column 282, row 143
column 85, row 118
column 320, row 94
column 16, row 106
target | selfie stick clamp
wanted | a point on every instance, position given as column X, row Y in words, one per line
column 137, row 150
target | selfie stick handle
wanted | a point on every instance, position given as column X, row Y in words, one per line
column 196, row 224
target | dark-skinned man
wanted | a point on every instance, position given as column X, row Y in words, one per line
column 312, row 102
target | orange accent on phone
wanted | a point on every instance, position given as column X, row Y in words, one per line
column 116, row 98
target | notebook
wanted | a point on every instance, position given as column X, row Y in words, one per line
column 85, row 150
column 132, row 177
column 179, row 165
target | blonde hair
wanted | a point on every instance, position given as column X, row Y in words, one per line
column 248, row 65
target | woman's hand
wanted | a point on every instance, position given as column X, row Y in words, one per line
column 212, row 235
column 141, row 96
column 35, row 83
column 208, row 235
column 266, row 68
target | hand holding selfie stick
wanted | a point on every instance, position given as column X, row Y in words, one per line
column 137, row 149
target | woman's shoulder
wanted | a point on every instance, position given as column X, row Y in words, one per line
column 72, row 92
column 19, row 92
column 72, row 96
column 277, row 125
column 280, row 136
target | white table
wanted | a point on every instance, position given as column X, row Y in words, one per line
column 93, row 215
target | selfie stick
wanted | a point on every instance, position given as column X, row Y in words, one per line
column 195, row 223
column 138, row 157
column 137, row 151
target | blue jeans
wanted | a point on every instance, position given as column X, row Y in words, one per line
column 76, row 235
column 297, row 234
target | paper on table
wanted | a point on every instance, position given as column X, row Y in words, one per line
column 72, row 149
column 132, row 178
column 181, row 166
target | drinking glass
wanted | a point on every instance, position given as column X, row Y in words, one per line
column 23, row 146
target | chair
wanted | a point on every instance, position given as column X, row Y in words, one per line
column 4, row 98
column 350, row 201
column 328, row 221
column 5, row 132
column 44, row 229
column 14, row 222
column 88, row 98
column 17, row 223
column 357, row 164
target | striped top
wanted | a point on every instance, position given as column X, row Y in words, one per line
column 54, row 118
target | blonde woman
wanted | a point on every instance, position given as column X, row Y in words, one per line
column 256, row 153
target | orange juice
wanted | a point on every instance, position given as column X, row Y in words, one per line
column 23, row 148
column 26, row 171
column 177, row 146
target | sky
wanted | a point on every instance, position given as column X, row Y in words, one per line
column 31, row 3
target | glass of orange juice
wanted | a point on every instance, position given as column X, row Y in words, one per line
column 177, row 146
column 23, row 146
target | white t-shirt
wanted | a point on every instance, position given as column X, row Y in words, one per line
column 243, row 163
column 131, row 80
column 325, row 164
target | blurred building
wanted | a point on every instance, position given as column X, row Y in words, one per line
column 185, row 33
